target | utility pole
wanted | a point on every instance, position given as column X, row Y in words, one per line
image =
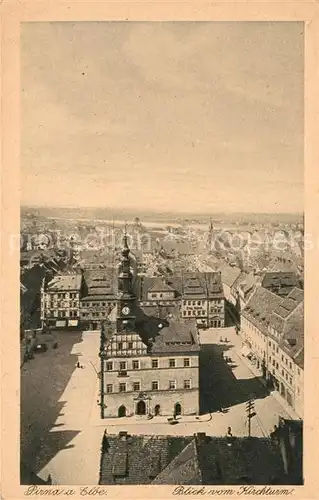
column 250, row 409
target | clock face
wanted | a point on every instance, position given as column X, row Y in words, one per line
column 125, row 310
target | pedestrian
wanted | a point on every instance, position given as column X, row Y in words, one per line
column 78, row 365
column 49, row 480
column 229, row 432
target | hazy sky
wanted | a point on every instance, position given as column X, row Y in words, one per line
column 168, row 116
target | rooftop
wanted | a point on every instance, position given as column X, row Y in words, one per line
column 130, row 459
column 65, row 282
column 282, row 283
column 100, row 282
column 261, row 305
column 176, row 336
column 230, row 274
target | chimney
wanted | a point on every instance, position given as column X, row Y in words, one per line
column 123, row 435
column 201, row 437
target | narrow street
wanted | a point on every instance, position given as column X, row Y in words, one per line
column 231, row 385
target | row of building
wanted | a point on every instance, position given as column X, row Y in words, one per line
column 89, row 297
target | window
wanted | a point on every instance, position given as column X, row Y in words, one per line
column 155, row 385
column 172, row 385
column 186, row 362
column 135, row 364
column 109, row 366
column 198, row 302
column 276, row 366
column 282, row 373
column 286, row 361
column 154, row 363
column 136, row 386
column 187, row 384
column 290, row 366
column 172, row 363
column 282, row 357
column 122, row 387
column 269, row 343
column 277, row 350
column 130, row 345
column 290, row 381
column 120, row 346
column 109, row 388
column 103, row 304
column 122, row 365
column 286, row 376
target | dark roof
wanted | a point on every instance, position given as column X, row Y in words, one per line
column 190, row 460
column 176, row 336
column 194, row 285
column 99, row 282
column 214, row 283
column 184, row 468
column 281, row 283
column 247, row 460
column 137, row 459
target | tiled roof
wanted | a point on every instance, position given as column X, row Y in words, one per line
column 230, row 274
column 184, row 468
column 144, row 284
column 101, row 282
column 260, row 307
column 142, row 457
column 186, row 460
column 176, row 336
column 65, row 282
column 214, row 283
column 161, row 311
column 293, row 335
column 248, row 460
column 281, row 283
column 194, row 285
column 289, row 303
column 159, row 285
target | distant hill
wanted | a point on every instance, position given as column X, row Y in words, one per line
column 169, row 217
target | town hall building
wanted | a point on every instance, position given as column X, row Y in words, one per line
column 149, row 367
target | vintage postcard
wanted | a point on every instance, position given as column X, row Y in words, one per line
column 160, row 249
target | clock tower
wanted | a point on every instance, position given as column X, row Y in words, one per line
column 126, row 298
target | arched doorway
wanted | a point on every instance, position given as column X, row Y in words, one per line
column 157, row 410
column 122, row 411
column 178, row 409
column 141, row 408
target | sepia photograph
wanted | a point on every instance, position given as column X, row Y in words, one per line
column 162, row 249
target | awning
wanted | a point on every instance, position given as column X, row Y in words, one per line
column 73, row 322
column 245, row 351
column 60, row 323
